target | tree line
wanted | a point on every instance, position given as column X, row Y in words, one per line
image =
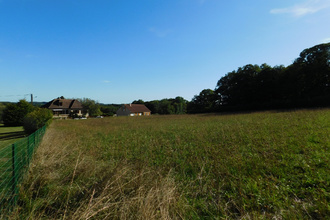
column 305, row 83
column 176, row 105
column 25, row 114
column 166, row 106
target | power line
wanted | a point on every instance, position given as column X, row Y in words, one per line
column 16, row 95
column 30, row 94
column 10, row 95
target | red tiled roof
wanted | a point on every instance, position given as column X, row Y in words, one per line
column 136, row 108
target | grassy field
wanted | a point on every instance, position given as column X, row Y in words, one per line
column 13, row 141
column 268, row 165
column 9, row 135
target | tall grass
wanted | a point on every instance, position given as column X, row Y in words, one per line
column 260, row 165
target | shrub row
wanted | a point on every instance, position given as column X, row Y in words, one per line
column 26, row 115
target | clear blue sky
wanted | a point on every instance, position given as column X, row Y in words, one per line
column 118, row 51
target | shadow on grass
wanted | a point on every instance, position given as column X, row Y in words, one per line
column 12, row 135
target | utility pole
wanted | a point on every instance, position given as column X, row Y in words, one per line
column 31, row 99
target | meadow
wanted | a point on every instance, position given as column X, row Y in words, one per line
column 268, row 165
column 9, row 135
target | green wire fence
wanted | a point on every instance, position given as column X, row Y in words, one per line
column 14, row 162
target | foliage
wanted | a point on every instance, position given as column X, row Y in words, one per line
column 267, row 165
column 313, row 68
column 109, row 110
column 14, row 114
column 250, row 87
column 37, row 119
column 2, row 107
column 305, row 83
column 204, row 102
column 177, row 105
column 92, row 106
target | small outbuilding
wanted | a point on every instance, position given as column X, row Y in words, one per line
column 133, row 110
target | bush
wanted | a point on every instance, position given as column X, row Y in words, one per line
column 37, row 119
column 2, row 107
column 13, row 114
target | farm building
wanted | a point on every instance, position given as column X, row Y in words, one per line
column 63, row 108
column 133, row 110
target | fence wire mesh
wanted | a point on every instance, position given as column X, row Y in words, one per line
column 14, row 162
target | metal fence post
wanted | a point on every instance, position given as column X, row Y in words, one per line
column 16, row 165
column 34, row 140
column 28, row 150
column 14, row 175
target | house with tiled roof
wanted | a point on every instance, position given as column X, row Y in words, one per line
column 133, row 110
column 63, row 108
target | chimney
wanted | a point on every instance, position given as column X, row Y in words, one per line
column 130, row 104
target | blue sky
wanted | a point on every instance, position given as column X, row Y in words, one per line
column 118, row 51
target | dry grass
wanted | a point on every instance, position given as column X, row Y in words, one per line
column 266, row 165
column 66, row 182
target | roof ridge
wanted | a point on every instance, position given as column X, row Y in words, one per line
column 71, row 103
column 137, row 107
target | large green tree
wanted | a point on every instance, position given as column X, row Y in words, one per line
column 13, row 114
column 204, row 102
column 239, row 88
column 109, row 109
column 2, row 107
column 305, row 83
column 92, row 106
column 37, row 119
column 180, row 105
column 311, row 70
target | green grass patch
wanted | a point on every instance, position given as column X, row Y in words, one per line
column 260, row 165
column 14, row 163
column 9, row 135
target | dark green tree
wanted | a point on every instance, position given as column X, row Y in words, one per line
column 204, row 102
column 166, row 107
column 13, row 114
column 305, row 83
column 140, row 101
column 2, row 107
column 238, row 88
column 311, row 71
column 153, row 106
column 92, row 106
column 180, row 105
column 267, row 86
column 109, row 110
column 37, row 119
